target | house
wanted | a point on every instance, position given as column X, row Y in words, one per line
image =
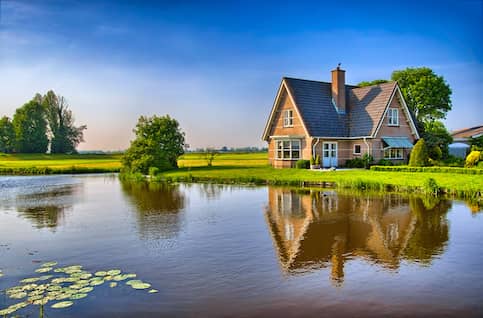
column 462, row 140
column 338, row 122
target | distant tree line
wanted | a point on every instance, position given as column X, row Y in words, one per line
column 45, row 123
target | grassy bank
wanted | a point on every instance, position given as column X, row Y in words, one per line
column 29, row 164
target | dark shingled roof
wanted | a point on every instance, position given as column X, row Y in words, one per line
column 365, row 106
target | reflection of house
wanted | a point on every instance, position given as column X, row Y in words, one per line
column 313, row 231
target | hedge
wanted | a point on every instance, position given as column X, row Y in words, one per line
column 428, row 169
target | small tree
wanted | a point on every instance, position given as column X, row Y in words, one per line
column 159, row 142
column 419, row 155
column 31, row 127
column 472, row 159
column 7, row 135
column 209, row 155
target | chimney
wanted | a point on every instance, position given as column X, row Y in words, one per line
column 338, row 88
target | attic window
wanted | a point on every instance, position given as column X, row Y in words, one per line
column 288, row 118
column 393, row 116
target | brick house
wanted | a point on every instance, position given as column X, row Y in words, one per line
column 338, row 122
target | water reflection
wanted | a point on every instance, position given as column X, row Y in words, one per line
column 318, row 229
column 157, row 207
column 42, row 202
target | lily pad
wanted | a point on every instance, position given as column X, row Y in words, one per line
column 113, row 284
column 41, row 302
column 49, row 264
column 101, row 273
column 114, row 272
column 86, row 276
column 86, row 289
column 134, row 281
column 78, row 296
column 96, row 282
column 62, row 304
column 45, row 277
column 153, row 291
column 44, row 269
column 19, row 295
column 140, row 285
column 29, row 280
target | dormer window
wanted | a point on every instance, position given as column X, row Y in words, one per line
column 393, row 116
column 288, row 118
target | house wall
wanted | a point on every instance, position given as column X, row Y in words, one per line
column 277, row 129
column 345, row 149
column 404, row 129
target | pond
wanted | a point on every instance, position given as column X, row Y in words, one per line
column 212, row 250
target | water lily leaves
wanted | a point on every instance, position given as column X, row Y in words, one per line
column 45, row 277
column 44, row 269
column 29, row 280
column 54, row 288
column 31, row 299
column 123, row 277
column 113, row 284
column 62, row 304
column 78, row 296
column 41, row 302
column 114, row 272
column 86, row 276
column 86, row 289
column 141, row 285
column 153, row 291
column 18, row 295
column 49, row 264
column 100, row 273
column 134, row 281
column 13, row 308
column 96, row 282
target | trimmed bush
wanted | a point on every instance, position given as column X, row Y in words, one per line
column 472, row 159
column 385, row 162
column 428, row 169
column 436, row 153
column 355, row 163
column 302, row 164
column 419, row 155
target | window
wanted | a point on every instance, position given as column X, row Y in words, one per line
column 357, row 149
column 393, row 153
column 393, row 115
column 288, row 118
column 288, row 149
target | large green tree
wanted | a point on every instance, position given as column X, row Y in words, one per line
column 159, row 142
column 427, row 94
column 64, row 135
column 30, row 127
column 7, row 135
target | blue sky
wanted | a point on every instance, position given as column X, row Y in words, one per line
column 216, row 66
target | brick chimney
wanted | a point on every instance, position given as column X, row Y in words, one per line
column 338, row 88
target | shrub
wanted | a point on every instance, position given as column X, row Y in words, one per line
column 317, row 160
column 428, row 169
column 367, row 159
column 355, row 163
column 153, row 171
column 431, row 187
column 435, row 153
column 302, row 164
column 419, row 155
column 385, row 162
column 472, row 159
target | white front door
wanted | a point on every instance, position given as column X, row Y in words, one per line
column 329, row 154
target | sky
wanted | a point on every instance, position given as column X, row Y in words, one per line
column 216, row 66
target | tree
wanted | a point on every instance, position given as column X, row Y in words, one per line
column 209, row 154
column 419, row 155
column 374, row 82
column 30, row 127
column 427, row 95
column 159, row 142
column 65, row 136
column 437, row 136
column 7, row 135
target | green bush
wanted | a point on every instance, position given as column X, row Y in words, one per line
column 428, row 169
column 153, row 171
column 435, row 153
column 472, row 159
column 355, row 163
column 431, row 187
column 419, row 155
column 385, row 162
column 302, row 164
column 367, row 159
column 317, row 160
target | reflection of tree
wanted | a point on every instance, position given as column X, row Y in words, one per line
column 211, row 191
column 322, row 229
column 157, row 206
column 431, row 231
column 46, row 208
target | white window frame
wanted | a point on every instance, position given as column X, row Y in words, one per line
column 288, row 118
column 393, row 117
column 354, row 150
column 394, row 153
column 288, row 146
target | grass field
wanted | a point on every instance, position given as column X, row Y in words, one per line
column 46, row 164
column 252, row 168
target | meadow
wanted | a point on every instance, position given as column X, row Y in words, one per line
column 253, row 168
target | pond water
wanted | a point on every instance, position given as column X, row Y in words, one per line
column 234, row 251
